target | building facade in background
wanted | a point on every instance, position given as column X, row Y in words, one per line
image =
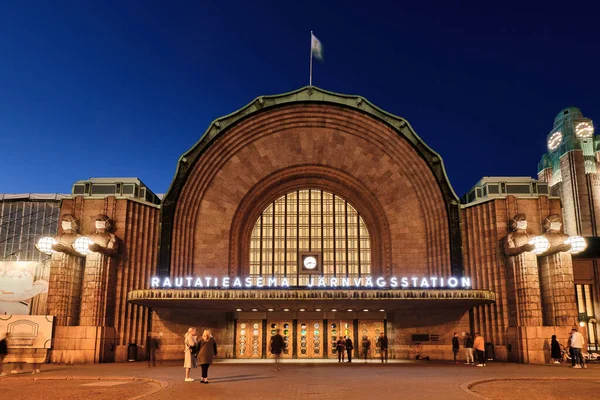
column 24, row 271
column 321, row 215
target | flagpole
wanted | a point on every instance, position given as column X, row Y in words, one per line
column 311, row 54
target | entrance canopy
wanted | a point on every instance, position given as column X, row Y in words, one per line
column 310, row 299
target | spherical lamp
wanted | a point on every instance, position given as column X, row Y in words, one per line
column 578, row 244
column 82, row 245
column 44, row 244
column 540, row 243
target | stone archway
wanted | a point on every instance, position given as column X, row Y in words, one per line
column 316, row 177
column 373, row 158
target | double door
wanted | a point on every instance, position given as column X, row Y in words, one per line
column 310, row 338
column 248, row 341
column 286, row 330
column 370, row 330
column 338, row 329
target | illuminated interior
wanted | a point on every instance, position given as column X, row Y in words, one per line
column 310, row 220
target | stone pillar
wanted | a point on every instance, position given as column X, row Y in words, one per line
column 66, row 266
column 556, row 277
column 523, row 282
column 558, row 290
column 99, row 264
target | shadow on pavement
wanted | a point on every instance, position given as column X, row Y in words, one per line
column 236, row 379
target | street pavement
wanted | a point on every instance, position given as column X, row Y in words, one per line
column 321, row 380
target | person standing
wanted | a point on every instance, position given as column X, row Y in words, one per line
column 479, row 346
column 383, row 347
column 190, row 361
column 469, row 349
column 341, row 349
column 455, row 347
column 555, row 350
column 366, row 346
column 349, row 348
column 208, row 350
column 570, row 349
column 3, row 351
column 277, row 344
column 152, row 347
column 577, row 345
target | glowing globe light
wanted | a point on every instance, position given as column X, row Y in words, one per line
column 578, row 244
column 45, row 244
column 540, row 243
column 82, row 245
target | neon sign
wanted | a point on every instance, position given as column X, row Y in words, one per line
column 259, row 282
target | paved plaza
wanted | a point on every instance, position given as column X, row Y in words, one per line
column 322, row 380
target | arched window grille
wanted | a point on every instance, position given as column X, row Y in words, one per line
column 310, row 220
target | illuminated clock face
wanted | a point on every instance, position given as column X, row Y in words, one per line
column 555, row 140
column 310, row 263
column 584, row 130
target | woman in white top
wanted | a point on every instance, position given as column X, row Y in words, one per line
column 190, row 360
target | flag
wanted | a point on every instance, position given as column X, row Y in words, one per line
column 316, row 48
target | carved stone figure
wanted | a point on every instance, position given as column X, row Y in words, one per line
column 556, row 277
column 523, row 284
column 66, row 271
column 100, row 265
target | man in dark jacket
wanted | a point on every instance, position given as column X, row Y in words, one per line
column 383, row 347
column 340, row 346
column 469, row 349
column 455, row 347
column 277, row 344
column 152, row 346
column 349, row 348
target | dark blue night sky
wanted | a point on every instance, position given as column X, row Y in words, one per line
column 122, row 89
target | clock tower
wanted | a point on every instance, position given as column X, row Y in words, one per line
column 572, row 169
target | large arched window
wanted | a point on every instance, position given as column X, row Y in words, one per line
column 310, row 220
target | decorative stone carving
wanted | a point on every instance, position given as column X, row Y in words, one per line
column 523, row 283
column 66, row 269
column 100, row 265
column 556, row 277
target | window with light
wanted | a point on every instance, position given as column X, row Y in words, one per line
column 310, row 221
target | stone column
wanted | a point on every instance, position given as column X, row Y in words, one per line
column 98, row 266
column 66, row 267
column 523, row 282
column 556, row 277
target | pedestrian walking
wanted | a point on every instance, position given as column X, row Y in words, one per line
column 570, row 348
column 455, row 347
column 366, row 346
column 555, row 352
column 349, row 348
column 190, row 361
column 152, row 346
column 341, row 349
column 383, row 347
column 577, row 342
column 277, row 344
column 479, row 346
column 469, row 349
column 208, row 350
column 3, row 351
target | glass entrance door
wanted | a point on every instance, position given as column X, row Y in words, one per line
column 310, row 338
column 337, row 329
column 285, row 327
column 248, row 341
column 370, row 330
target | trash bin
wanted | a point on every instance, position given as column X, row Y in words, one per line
column 489, row 351
column 132, row 352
